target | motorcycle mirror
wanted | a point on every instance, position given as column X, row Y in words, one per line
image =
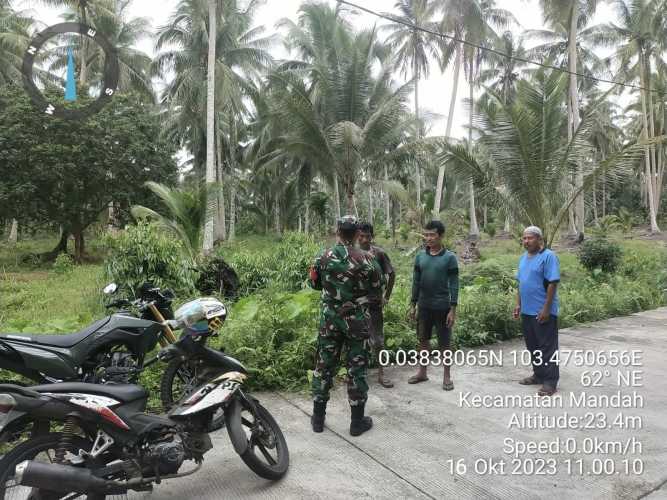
column 110, row 288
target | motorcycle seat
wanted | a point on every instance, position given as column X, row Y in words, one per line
column 56, row 340
column 124, row 393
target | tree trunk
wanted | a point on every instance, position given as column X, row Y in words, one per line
column 232, row 213
column 14, row 233
column 418, row 181
column 580, row 209
column 337, row 196
column 351, row 205
column 595, row 202
column 654, row 161
column 210, row 128
column 79, row 246
column 486, row 216
column 448, row 131
column 567, row 182
column 387, row 201
column 299, row 227
column 83, row 75
column 604, row 195
column 647, row 156
column 370, row 201
column 221, row 223
column 474, row 226
column 507, row 227
column 277, row 213
column 306, row 224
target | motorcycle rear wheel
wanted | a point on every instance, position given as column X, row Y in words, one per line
column 31, row 450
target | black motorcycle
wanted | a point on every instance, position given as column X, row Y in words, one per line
column 108, row 445
column 112, row 349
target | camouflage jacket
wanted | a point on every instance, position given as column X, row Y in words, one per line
column 346, row 275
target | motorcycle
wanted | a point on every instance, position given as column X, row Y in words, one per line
column 113, row 350
column 110, row 350
column 121, row 448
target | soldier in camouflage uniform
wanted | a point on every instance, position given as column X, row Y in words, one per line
column 346, row 275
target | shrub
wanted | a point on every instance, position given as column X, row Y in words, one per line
column 490, row 229
column 292, row 258
column 490, row 274
column 600, row 254
column 404, row 231
column 143, row 253
column 285, row 267
column 63, row 263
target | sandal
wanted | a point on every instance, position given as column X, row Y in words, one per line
column 532, row 380
column 546, row 391
column 415, row 379
column 448, row 386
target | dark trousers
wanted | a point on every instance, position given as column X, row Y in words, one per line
column 542, row 342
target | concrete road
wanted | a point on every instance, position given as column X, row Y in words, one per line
column 421, row 432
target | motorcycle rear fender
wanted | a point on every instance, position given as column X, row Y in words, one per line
column 12, row 361
column 30, row 360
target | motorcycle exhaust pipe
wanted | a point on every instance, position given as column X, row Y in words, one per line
column 64, row 478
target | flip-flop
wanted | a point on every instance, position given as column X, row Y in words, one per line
column 529, row 381
column 415, row 379
column 448, row 386
column 386, row 383
column 546, row 391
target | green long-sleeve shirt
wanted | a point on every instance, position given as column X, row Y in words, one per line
column 435, row 281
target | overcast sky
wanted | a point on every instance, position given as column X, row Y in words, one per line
column 435, row 91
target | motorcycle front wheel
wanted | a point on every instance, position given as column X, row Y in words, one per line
column 259, row 435
column 181, row 378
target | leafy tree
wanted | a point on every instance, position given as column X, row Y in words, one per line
column 65, row 172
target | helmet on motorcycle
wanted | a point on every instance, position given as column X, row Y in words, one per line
column 201, row 316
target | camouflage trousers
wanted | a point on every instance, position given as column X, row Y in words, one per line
column 331, row 342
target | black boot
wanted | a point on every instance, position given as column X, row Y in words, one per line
column 359, row 423
column 319, row 412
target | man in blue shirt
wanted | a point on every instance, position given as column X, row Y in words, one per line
column 537, row 304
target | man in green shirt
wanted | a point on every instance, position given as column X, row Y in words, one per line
column 435, row 292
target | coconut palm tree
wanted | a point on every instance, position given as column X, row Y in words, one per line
column 639, row 42
column 123, row 33
column 185, row 212
column 211, row 205
column 332, row 108
column 473, row 21
column 85, row 10
column 413, row 50
column 570, row 16
column 526, row 160
column 239, row 55
column 501, row 73
column 14, row 38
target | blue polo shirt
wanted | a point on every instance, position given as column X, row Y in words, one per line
column 534, row 275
